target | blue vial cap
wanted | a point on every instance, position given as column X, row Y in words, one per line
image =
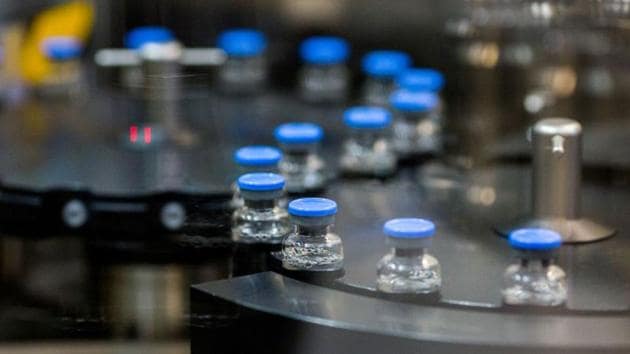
column 409, row 228
column 261, row 182
column 299, row 133
column 242, row 42
column 413, row 101
column 367, row 117
column 257, row 156
column 534, row 239
column 385, row 63
column 140, row 36
column 324, row 50
column 62, row 48
column 312, row 207
column 420, row 79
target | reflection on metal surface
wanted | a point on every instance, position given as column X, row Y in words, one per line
column 482, row 54
column 599, row 82
column 483, row 195
column 542, row 10
column 561, row 80
column 146, row 301
column 521, row 54
column 346, row 317
column 538, row 100
column 521, row 14
column 83, row 347
column 613, row 9
column 75, row 214
column 313, row 13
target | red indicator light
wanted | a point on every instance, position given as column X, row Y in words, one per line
column 147, row 135
column 133, row 134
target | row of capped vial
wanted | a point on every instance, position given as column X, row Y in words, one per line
column 369, row 150
column 324, row 77
column 308, row 244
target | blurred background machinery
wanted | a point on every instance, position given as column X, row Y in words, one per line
column 104, row 228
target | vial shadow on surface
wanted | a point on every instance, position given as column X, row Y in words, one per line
column 325, row 278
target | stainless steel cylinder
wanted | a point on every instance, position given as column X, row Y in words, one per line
column 162, row 88
column 557, row 164
column 162, row 80
column 162, row 71
column 557, row 151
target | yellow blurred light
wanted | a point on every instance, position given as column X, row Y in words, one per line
column 73, row 19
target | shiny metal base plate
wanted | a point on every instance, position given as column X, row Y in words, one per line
column 573, row 231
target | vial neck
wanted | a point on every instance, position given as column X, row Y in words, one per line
column 264, row 204
column 409, row 252
column 365, row 138
column 245, row 60
column 382, row 80
column 313, row 230
column 324, row 68
column 298, row 156
column 242, row 169
column 536, row 263
column 415, row 117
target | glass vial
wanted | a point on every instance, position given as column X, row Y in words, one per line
column 408, row 268
column 416, row 129
column 312, row 246
column 367, row 151
column 534, row 279
column 64, row 54
column 132, row 77
column 424, row 80
column 324, row 76
column 245, row 70
column 301, row 165
column 251, row 159
column 260, row 219
column 381, row 67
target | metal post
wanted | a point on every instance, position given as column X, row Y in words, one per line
column 557, row 164
column 556, row 171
